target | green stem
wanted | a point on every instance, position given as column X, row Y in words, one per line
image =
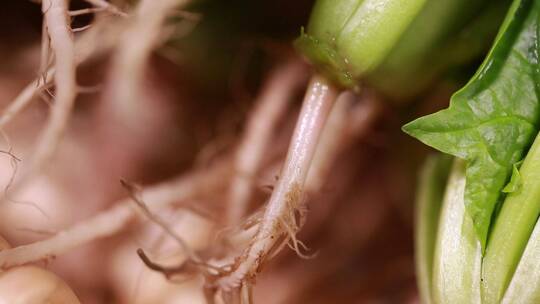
column 512, row 229
column 524, row 287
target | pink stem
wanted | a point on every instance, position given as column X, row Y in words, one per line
column 287, row 194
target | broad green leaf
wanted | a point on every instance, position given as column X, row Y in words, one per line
column 512, row 229
column 492, row 121
column 429, row 200
column 458, row 256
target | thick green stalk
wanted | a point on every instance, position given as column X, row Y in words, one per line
column 458, row 254
column 525, row 285
column 512, row 229
column 430, row 195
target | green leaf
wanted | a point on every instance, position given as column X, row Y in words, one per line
column 492, row 121
column 515, row 181
column 429, row 200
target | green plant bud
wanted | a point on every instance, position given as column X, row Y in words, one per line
column 399, row 47
column 446, row 35
column 346, row 38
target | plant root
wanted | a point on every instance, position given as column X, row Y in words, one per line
column 86, row 11
column 101, row 38
column 68, row 54
column 62, row 46
column 157, row 220
column 45, row 59
column 269, row 108
column 112, row 221
column 104, row 5
column 349, row 120
column 135, row 45
column 287, row 195
column 59, row 39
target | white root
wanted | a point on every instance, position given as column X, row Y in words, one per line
column 153, row 14
column 62, row 45
column 115, row 219
column 102, row 4
column 45, row 59
column 362, row 115
column 269, row 108
column 135, row 45
column 287, row 195
column 25, row 97
column 81, row 29
column 86, row 46
column 59, row 38
column 85, row 11
column 349, row 120
column 329, row 144
column 161, row 223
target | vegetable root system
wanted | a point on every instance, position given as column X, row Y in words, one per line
column 174, row 160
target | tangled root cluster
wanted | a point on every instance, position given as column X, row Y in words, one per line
column 214, row 204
